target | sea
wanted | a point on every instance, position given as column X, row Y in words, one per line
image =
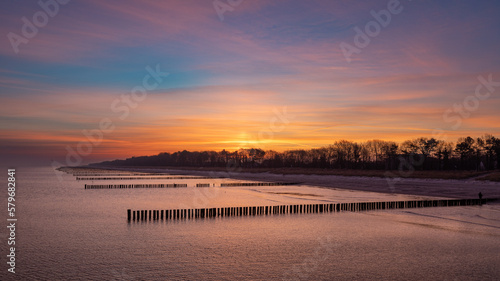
column 66, row 232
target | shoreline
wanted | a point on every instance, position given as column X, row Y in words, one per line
column 493, row 175
column 448, row 188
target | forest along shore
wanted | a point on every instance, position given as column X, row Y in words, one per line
column 450, row 188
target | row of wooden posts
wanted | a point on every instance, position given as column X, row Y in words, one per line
column 256, row 184
column 112, row 186
column 177, row 214
column 142, row 178
column 116, row 174
column 174, row 185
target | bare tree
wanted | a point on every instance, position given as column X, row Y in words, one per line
column 465, row 148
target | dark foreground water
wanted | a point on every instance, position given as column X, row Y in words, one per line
column 67, row 233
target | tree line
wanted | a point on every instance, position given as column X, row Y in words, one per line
column 482, row 153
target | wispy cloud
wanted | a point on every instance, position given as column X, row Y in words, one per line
column 227, row 77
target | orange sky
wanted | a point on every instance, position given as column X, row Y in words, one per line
column 270, row 75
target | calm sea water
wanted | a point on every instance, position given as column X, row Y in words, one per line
column 67, row 233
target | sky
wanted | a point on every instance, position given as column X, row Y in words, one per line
column 85, row 81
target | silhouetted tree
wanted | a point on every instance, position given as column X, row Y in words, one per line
column 467, row 153
column 465, row 148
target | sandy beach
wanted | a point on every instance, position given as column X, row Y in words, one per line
column 424, row 187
